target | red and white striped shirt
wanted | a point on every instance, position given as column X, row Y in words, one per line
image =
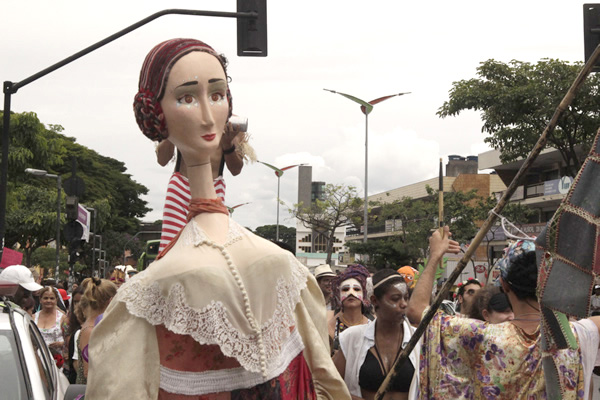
column 177, row 205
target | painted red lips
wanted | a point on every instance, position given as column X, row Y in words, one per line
column 209, row 137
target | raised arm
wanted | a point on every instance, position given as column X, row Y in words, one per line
column 419, row 300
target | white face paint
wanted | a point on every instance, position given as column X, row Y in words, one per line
column 402, row 287
column 350, row 287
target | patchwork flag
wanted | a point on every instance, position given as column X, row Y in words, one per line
column 568, row 254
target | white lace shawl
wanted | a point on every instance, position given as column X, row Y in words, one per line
column 240, row 295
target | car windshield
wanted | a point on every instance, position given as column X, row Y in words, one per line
column 11, row 375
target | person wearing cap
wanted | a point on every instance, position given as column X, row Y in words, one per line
column 23, row 276
column 65, row 297
column 324, row 276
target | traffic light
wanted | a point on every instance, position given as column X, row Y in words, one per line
column 252, row 32
column 74, row 250
column 72, row 207
column 591, row 30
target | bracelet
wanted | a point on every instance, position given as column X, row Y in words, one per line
column 229, row 150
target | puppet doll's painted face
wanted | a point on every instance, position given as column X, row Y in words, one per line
column 351, row 288
column 195, row 105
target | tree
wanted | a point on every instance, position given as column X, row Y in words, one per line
column 287, row 235
column 31, row 218
column 517, row 99
column 413, row 221
column 339, row 207
column 31, row 201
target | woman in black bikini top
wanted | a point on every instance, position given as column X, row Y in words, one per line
column 369, row 352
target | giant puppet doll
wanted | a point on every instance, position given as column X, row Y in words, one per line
column 222, row 314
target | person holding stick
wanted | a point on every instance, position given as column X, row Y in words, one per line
column 462, row 358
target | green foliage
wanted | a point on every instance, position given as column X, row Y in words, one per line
column 30, row 147
column 438, row 272
column 31, row 201
column 383, row 253
column 517, row 99
column 286, row 234
column 31, row 218
column 414, row 219
column 340, row 207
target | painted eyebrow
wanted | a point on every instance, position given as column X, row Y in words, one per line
column 216, row 80
column 190, row 83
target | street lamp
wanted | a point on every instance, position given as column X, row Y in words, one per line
column 366, row 108
column 279, row 173
column 42, row 173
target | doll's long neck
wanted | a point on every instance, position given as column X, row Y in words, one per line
column 201, row 182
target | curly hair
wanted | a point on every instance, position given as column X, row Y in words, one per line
column 153, row 81
column 522, row 274
column 355, row 271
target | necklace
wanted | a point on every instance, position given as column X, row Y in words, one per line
column 518, row 317
column 379, row 358
column 349, row 324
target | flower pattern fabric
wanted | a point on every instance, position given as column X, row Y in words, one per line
column 464, row 358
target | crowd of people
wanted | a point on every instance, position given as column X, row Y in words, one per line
column 64, row 318
column 225, row 314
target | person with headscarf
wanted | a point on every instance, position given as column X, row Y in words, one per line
column 466, row 358
column 221, row 313
column 349, row 300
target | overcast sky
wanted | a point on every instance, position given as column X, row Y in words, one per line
column 367, row 49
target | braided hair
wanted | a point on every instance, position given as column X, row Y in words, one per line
column 153, row 81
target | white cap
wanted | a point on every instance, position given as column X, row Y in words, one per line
column 22, row 275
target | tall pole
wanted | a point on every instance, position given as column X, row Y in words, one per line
column 366, row 177
column 277, row 228
column 366, row 108
column 59, row 186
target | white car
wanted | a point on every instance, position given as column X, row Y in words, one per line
column 27, row 369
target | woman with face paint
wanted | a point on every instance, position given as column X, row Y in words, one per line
column 349, row 302
column 222, row 313
column 369, row 351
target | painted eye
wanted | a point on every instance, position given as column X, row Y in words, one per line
column 188, row 99
column 216, row 97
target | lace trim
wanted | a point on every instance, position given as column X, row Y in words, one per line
column 226, row 380
column 210, row 325
column 195, row 236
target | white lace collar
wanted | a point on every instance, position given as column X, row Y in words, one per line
column 249, row 318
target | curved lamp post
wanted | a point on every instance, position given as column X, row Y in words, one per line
column 278, row 174
column 45, row 174
column 232, row 209
column 366, row 108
